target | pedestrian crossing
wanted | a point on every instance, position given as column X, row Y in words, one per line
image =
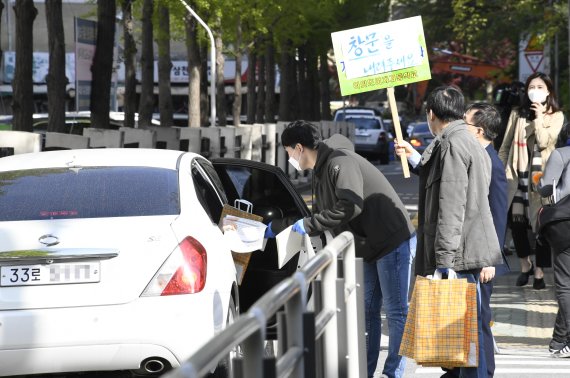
column 521, row 364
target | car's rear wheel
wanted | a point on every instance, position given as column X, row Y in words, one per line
column 224, row 368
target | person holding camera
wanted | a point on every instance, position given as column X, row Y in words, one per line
column 530, row 138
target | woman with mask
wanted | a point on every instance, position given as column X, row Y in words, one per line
column 531, row 135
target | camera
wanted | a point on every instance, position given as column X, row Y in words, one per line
column 509, row 95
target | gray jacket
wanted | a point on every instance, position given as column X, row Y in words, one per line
column 456, row 228
column 353, row 195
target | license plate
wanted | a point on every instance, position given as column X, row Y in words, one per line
column 51, row 274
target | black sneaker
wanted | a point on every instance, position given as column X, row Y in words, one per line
column 564, row 352
column 555, row 345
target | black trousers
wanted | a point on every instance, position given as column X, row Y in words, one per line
column 520, row 233
column 561, row 331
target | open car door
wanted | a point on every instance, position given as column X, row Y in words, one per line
column 275, row 199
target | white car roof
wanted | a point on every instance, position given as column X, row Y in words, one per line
column 97, row 157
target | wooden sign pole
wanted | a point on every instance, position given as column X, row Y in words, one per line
column 397, row 128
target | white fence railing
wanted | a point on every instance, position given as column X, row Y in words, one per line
column 259, row 142
column 318, row 337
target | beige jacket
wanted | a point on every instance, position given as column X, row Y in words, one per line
column 545, row 136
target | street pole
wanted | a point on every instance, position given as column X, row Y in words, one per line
column 212, row 64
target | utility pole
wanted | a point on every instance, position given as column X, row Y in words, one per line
column 212, row 64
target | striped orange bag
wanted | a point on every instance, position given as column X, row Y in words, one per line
column 441, row 327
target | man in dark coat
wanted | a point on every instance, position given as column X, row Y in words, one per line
column 456, row 233
column 483, row 121
column 353, row 195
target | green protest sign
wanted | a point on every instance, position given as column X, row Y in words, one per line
column 381, row 56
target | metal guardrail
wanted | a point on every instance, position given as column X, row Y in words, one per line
column 327, row 342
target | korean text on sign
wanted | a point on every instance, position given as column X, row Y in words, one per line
column 381, row 48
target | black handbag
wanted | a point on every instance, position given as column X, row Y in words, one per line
column 554, row 224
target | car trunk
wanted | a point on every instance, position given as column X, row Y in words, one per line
column 95, row 261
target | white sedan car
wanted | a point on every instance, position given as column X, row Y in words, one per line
column 112, row 259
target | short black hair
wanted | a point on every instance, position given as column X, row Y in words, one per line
column 487, row 117
column 302, row 132
column 447, row 103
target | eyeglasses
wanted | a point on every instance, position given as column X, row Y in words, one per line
column 472, row 125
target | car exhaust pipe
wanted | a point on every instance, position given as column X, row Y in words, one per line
column 153, row 366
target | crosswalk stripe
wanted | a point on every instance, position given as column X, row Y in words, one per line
column 541, row 371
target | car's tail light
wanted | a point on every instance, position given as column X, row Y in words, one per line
column 415, row 142
column 184, row 272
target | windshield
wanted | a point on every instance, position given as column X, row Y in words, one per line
column 94, row 192
column 420, row 128
column 365, row 123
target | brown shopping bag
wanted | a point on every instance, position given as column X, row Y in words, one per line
column 441, row 327
column 241, row 260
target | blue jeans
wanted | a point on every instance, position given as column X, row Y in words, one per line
column 387, row 281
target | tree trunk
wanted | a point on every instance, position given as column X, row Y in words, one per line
column 237, row 83
column 146, row 102
column 304, row 95
column 270, row 81
column 220, row 86
column 56, row 80
column 260, row 112
column 204, row 86
column 288, row 105
column 1, row 10
column 324, row 85
column 313, row 84
column 194, row 73
column 251, row 80
column 102, row 68
column 130, row 51
column 23, row 86
column 164, row 66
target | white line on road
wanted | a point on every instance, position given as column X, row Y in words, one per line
column 543, row 371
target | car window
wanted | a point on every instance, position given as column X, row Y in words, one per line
column 209, row 198
column 342, row 115
column 365, row 123
column 269, row 196
column 420, row 128
column 93, row 192
column 213, row 176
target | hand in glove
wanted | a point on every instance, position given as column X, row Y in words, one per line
column 299, row 227
column 269, row 232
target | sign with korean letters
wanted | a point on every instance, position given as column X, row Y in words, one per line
column 381, row 56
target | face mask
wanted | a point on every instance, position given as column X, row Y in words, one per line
column 537, row 95
column 295, row 163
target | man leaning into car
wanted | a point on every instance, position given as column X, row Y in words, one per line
column 353, row 195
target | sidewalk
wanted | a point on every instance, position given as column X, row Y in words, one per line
column 523, row 317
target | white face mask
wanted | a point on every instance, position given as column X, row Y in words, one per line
column 295, row 163
column 537, row 95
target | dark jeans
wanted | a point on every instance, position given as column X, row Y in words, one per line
column 562, row 282
column 486, row 317
column 524, row 249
